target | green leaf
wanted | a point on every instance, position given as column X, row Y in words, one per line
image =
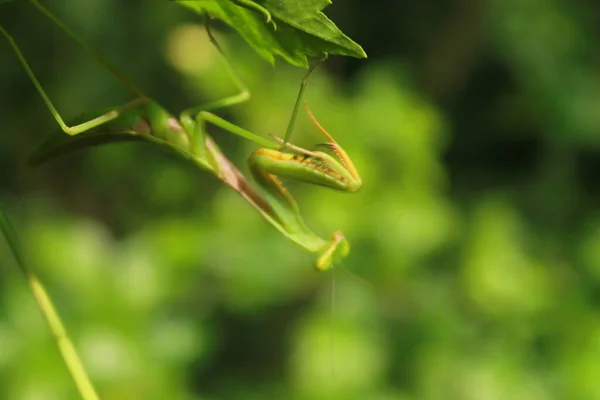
column 302, row 29
column 306, row 16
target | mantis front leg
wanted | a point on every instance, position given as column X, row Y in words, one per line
column 308, row 166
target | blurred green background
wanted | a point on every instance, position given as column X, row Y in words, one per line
column 476, row 128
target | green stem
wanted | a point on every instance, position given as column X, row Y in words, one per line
column 65, row 346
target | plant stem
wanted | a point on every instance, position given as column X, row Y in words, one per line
column 65, row 346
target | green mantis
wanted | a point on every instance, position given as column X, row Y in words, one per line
column 142, row 119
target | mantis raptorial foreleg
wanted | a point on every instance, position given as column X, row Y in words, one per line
column 312, row 166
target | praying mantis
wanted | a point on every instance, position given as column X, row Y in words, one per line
column 142, row 119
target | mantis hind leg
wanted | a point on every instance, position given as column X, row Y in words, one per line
column 86, row 125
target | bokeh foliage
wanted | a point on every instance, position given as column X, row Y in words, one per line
column 476, row 130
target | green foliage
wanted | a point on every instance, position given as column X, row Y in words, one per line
column 478, row 226
column 301, row 28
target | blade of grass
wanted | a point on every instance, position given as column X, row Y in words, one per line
column 65, row 346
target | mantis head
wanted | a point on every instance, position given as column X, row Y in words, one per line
column 333, row 252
